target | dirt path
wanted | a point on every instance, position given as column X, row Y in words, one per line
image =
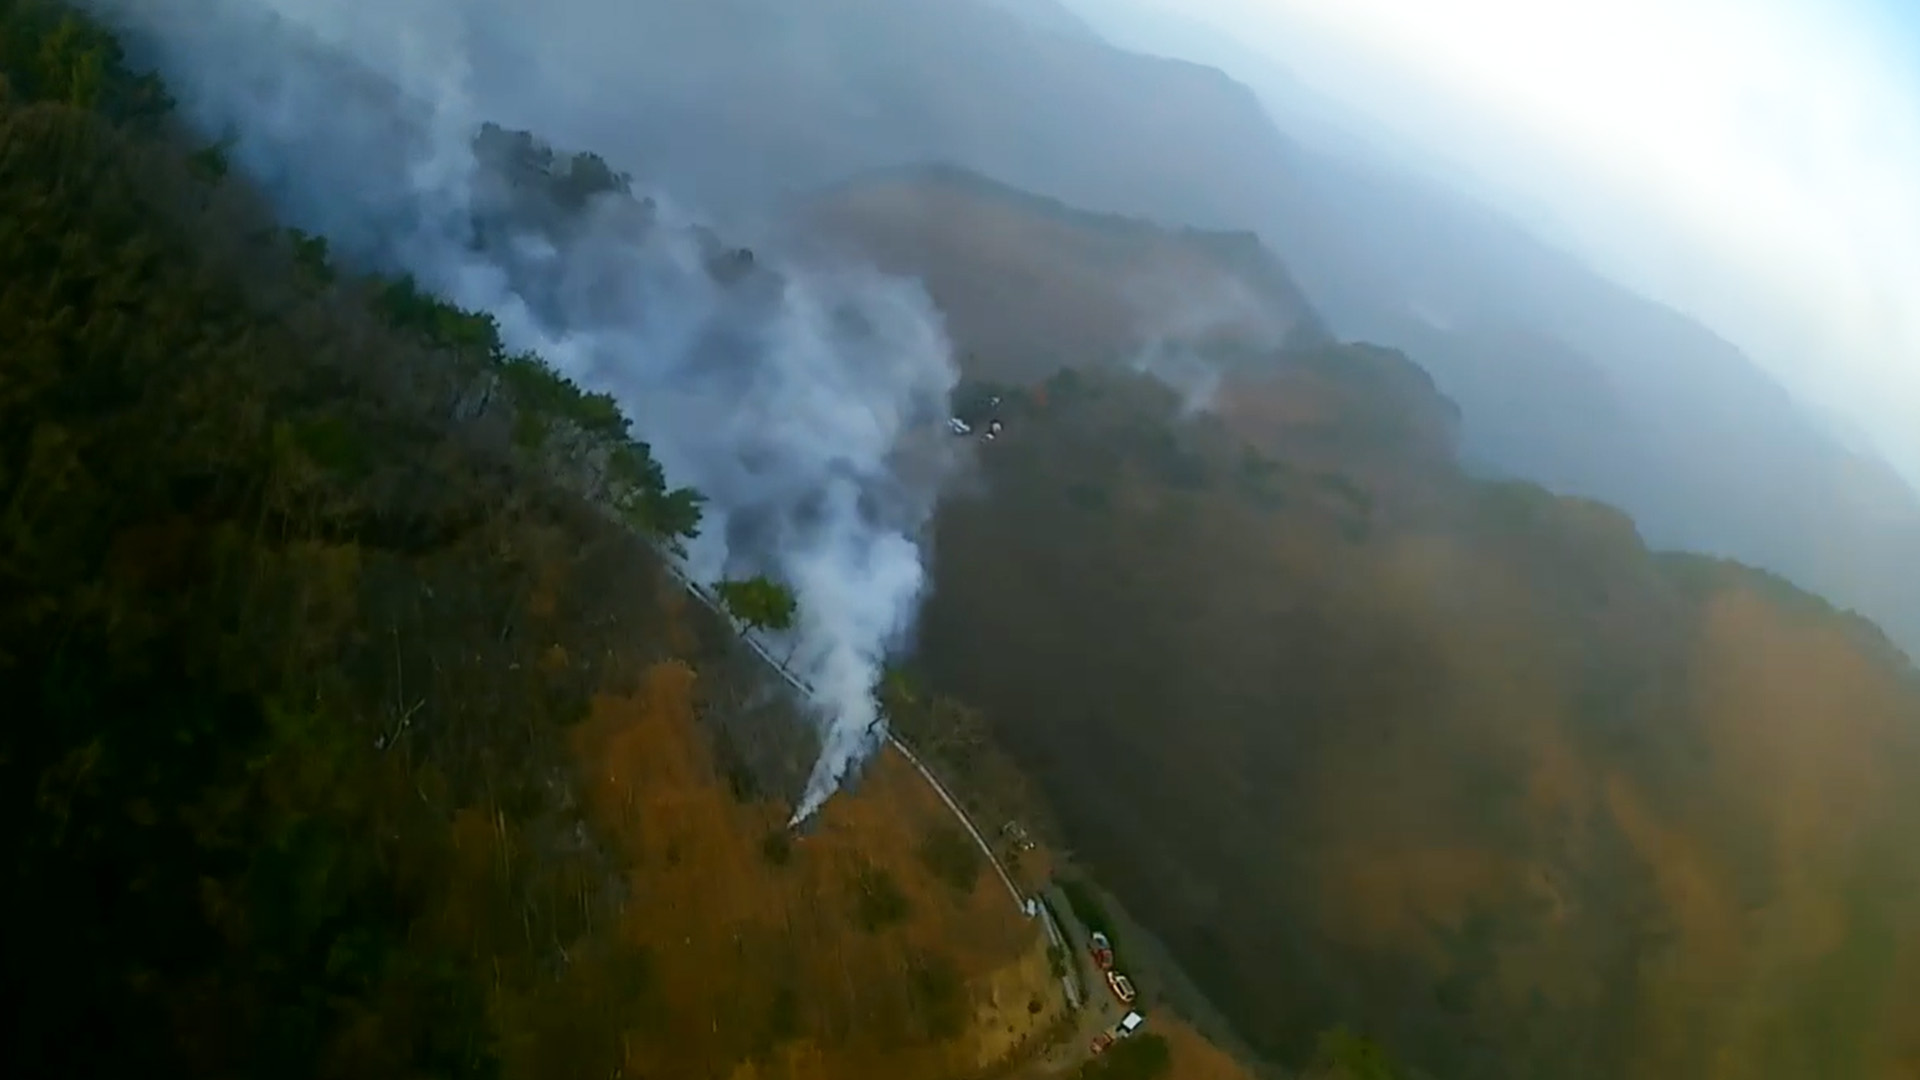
column 1092, row 1002
column 800, row 685
column 1102, row 1010
column 973, row 831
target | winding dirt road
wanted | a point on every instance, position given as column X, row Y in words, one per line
column 1084, row 987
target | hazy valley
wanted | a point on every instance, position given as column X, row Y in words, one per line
column 369, row 728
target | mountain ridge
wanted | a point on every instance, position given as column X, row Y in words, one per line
column 1109, row 131
column 1366, row 739
column 365, row 739
column 362, row 735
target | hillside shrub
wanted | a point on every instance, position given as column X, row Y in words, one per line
column 950, row 855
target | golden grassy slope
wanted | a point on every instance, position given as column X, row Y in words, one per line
column 1027, row 285
column 1366, row 742
column 1462, row 764
column 749, row 948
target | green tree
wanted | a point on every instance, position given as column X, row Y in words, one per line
column 309, row 251
column 212, row 163
column 638, row 491
column 407, row 307
column 759, row 602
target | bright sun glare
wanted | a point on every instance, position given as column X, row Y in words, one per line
column 1779, row 139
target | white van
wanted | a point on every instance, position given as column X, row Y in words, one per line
column 1129, row 1024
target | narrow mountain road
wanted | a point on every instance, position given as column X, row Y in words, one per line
column 1071, row 983
column 1102, row 1010
column 972, row 830
column 793, row 680
column 1086, row 995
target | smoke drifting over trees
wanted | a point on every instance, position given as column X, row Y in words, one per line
column 801, row 401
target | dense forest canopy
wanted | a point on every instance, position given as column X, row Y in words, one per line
column 1368, row 740
column 221, row 671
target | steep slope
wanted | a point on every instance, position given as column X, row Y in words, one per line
column 832, row 88
column 1370, row 742
column 1707, row 451
column 1487, row 777
column 1022, row 278
column 1323, row 125
column 351, row 734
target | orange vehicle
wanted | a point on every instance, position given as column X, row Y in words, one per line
column 1101, row 1042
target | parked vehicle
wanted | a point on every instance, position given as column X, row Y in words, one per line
column 1121, row 986
column 1101, row 1042
column 1018, row 834
column 1128, row 1024
column 1101, row 952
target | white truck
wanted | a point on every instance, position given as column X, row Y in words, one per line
column 1128, row 1024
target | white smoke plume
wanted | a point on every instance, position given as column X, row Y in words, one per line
column 1192, row 325
column 795, row 402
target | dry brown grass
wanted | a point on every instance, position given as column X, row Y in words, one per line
column 1026, row 287
column 1513, row 786
column 1486, row 760
column 767, row 972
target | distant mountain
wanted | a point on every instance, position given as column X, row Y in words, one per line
column 1029, row 285
column 1315, row 121
column 736, row 102
column 1049, row 15
column 751, row 100
column 1565, row 378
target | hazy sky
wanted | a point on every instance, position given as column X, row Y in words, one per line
column 1755, row 162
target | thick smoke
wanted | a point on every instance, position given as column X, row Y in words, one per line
column 794, row 397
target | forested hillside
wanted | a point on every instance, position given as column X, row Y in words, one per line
column 1530, row 799
column 1367, row 740
column 353, row 727
column 356, row 728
